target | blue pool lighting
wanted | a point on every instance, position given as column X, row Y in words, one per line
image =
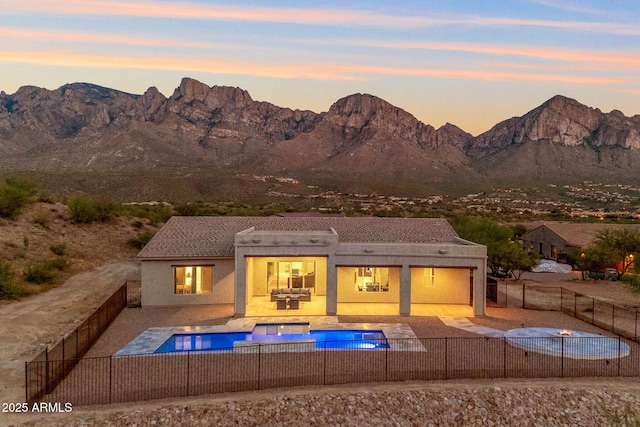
column 276, row 334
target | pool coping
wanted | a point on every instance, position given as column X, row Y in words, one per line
column 401, row 336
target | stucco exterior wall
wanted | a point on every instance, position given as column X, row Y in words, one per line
column 541, row 239
column 237, row 279
column 451, row 286
column 158, row 283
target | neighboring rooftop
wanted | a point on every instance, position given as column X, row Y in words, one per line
column 209, row 236
column 582, row 234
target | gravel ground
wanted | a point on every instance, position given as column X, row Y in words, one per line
column 442, row 403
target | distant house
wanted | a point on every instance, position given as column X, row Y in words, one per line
column 335, row 262
column 556, row 240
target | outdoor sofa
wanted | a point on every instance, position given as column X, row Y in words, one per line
column 303, row 294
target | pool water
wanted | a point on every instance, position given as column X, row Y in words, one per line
column 276, row 333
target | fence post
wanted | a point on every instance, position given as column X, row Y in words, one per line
column 562, row 359
column 46, row 369
column 504, row 356
column 110, row 377
column 26, row 382
column 386, row 364
column 188, row 371
column 63, row 358
column 635, row 332
column 613, row 317
column 446, row 358
column 259, row 364
column 619, row 343
column 324, row 364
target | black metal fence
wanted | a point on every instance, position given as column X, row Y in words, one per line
column 617, row 319
column 142, row 377
column 51, row 366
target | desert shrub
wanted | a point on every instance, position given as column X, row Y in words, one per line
column 156, row 214
column 59, row 249
column 15, row 193
column 8, row 288
column 193, row 209
column 39, row 273
column 85, row 210
column 141, row 240
column 42, row 221
column 59, row 263
column 631, row 280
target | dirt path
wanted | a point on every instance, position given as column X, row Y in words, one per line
column 28, row 325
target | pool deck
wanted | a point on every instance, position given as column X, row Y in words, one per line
column 152, row 338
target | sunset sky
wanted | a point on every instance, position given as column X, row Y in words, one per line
column 467, row 62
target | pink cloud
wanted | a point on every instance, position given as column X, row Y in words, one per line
column 299, row 70
column 314, row 16
column 629, row 60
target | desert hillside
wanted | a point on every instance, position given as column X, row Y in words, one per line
column 44, row 236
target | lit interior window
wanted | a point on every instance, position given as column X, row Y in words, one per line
column 193, row 280
column 371, row 279
column 429, row 277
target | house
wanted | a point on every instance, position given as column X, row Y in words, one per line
column 338, row 261
column 556, row 240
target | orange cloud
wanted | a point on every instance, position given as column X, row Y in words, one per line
column 629, row 60
column 631, row 91
column 314, row 16
column 300, row 70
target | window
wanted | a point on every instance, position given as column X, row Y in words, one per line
column 371, row 279
column 193, row 280
column 429, row 277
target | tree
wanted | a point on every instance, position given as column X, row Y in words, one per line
column 517, row 260
column 502, row 251
column 619, row 247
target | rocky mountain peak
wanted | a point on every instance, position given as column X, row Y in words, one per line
column 560, row 120
column 363, row 115
column 214, row 97
column 361, row 134
column 360, row 110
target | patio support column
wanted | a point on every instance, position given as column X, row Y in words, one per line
column 240, row 283
column 405, row 290
column 332, row 286
column 480, row 290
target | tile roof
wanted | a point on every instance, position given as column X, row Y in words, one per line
column 209, row 236
column 581, row 234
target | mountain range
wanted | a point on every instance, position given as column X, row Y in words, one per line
column 87, row 129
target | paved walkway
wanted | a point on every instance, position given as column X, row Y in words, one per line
column 466, row 325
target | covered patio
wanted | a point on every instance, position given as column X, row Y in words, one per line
column 263, row 306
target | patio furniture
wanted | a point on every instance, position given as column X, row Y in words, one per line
column 294, row 302
column 303, row 293
column 281, row 302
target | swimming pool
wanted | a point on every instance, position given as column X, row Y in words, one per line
column 273, row 334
